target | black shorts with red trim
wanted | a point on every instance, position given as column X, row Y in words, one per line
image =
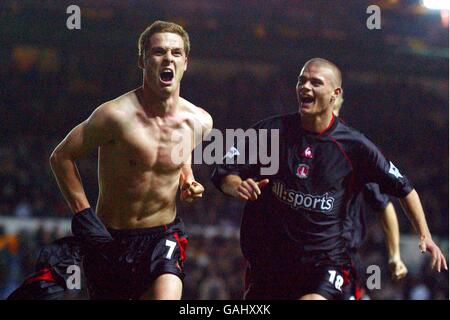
column 357, row 288
column 41, row 285
column 327, row 280
column 49, row 281
column 126, row 268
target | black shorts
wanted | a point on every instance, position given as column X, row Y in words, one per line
column 42, row 285
column 278, row 283
column 356, row 290
column 126, row 268
column 49, row 281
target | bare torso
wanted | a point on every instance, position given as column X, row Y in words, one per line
column 138, row 179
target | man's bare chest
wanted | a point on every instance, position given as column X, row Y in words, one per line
column 156, row 146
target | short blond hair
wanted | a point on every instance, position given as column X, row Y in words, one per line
column 326, row 63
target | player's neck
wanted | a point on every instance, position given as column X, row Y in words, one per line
column 155, row 105
column 317, row 123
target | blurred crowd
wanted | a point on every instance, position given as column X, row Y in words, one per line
column 46, row 91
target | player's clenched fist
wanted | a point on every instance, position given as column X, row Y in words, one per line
column 191, row 191
column 250, row 189
column 397, row 268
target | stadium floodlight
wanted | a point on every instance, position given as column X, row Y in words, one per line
column 436, row 4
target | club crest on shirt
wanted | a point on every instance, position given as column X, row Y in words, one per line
column 302, row 171
column 307, row 153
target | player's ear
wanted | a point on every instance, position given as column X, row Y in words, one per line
column 336, row 93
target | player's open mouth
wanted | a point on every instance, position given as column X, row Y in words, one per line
column 306, row 100
column 166, row 76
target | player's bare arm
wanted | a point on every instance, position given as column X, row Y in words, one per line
column 96, row 131
column 413, row 208
column 190, row 189
column 389, row 222
column 203, row 123
column 248, row 189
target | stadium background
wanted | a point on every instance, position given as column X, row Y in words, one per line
column 243, row 67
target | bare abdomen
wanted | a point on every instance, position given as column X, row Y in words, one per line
column 136, row 200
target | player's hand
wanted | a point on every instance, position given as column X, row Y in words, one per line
column 191, row 191
column 437, row 258
column 397, row 268
column 250, row 189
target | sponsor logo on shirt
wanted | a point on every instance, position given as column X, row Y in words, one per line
column 302, row 171
column 295, row 199
column 394, row 171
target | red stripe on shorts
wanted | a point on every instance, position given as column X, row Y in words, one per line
column 42, row 275
column 182, row 243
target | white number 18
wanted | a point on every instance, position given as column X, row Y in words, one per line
column 337, row 281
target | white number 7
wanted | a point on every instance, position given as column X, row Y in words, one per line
column 171, row 244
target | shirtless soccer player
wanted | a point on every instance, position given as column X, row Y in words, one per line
column 134, row 242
